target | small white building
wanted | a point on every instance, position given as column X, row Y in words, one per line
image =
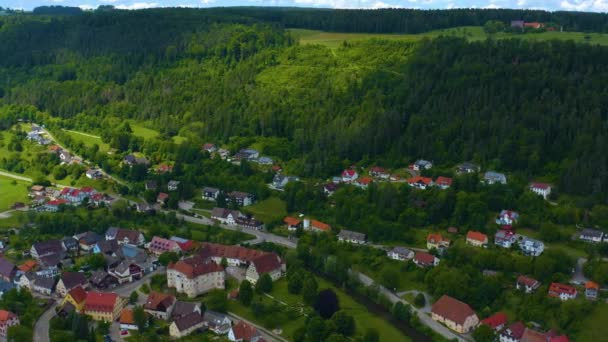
column 541, row 189
column 400, row 254
column 351, row 237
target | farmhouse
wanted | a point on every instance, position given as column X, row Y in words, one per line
column 400, row 253
column 562, row 291
column 455, row 314
column 159, row 305
column 541, row 189
column 526, row 284
column 423, row 259
column 477, row 239
column 269, row 263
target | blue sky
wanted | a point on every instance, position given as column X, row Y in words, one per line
column 553, row 5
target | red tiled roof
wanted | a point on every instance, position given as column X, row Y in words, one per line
column 443, row 181
column 6, row 315
column 126, row 317
column 87, row 189
column 27, row 266
column 291, row 221
column 365, row 180
column 266, row 263
column 156, row 299
column 561, row 338
column 78, row 294
column 527, row 281
column 231, row 252
column 531, row 335
column 592, row 285
column 57, row 202
column 162, row 196
column 378, row 169
column 160, row 244
column 452, row 309
column 244, row 331
column 320, row 225
column 517, row 330
column 477, row 236
column 100, row 301
column 348, row 173
column 435, row 238
column 424, row 258
column 542, row 186
column 195, row 266
column 419, row 179
column 496, row 320
column 558, row 288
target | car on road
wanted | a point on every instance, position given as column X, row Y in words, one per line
column 124, row 332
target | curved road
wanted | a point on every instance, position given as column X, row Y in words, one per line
column 41, row 329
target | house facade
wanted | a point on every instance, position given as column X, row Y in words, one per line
column 210, row 194
column 592, row 290
column 531, row 247
column 349, row 175
column 160, row 245
column 269, row 263
column 218, row 323
column 422, row 259
column 159, row 305
column 541, row 189
column 226, row 216
column 242, row 199
column 7, row 320
column 103, row 306
column 436, row 241
column 70, row 280
column 400, row 254
column 493, row 177
column 562, row 291
column 513, row 333
column 195, row 276
column 186, row 325
column 351, row 237
column 526, row 284
column 456, row 315
column 420, row 182
column 591, row 235
column 476, row 239
column 504, row 239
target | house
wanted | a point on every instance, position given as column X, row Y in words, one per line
column 218, row 323
column 184, row 326
column 592, row 290
column 7, row 320
column 526, row 284
column 173, row 185
column 93, row 174
column 497, row 321
column 504, row 238
column 517, row 24
column 400, row 253
column 467, row 167
column 126, row 320
column 106, row 247
column 76, row 297
column 531, row 247
column 126, row 272
column 363, row 182
column 37, row 190
column 349, row 175
column 234, row 255
column 125, row 236
column 151, row 185
column 422, row 164
column 541, row 189
column 493, row 177
column 249, row 222
column 531, row 335
column 225, row 216
column 269, row 263
column 562, row 291
column 53, row 206
column 351, row 237
column 162, row 198
column 477, row 239
column 70, row 280
column 330, row 188
column 436, row 241
column 133, row 160
column 223, row 153
column 507, row 218
column 443, row 182
column 164, row 168
column 27, row 266
column 181, row 309
column 87, row 240
column 263, row 160
column 70, row 244
column 455, row 314
column 292, row 223
column 103, row 306
column 513, row 333
column 242, row 199
column 533, row 25
column 160, row 245
column 65, row 156
column 247, row 154
column 7, row 270
column 379, row 172
column 243, row 332
column 420, row 182
column 591, row 235
column 159, row 305
column 6, row 286
column 423, row 259
column 102, row 280
column 317, row 226
column 210, row 194
column 195, row 276
column 44, row 285
column 209, row 147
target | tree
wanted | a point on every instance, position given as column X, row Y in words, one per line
column 19, row 333
column 224, row 262
column 484, row 334
column 309, row 289
column 133, row 297
column 264, row 284
column 168, row 257
column 390, row 277
column 371, row 335
column 217, row 300
column 294, row 283
column 139, row 316
column 493, row 26
column 419, row 300
column 402, row 312
column 327, row 303
column 245, row 293
column 95, row 261
column 344, row 323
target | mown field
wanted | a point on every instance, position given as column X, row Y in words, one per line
column 472, row 33
column 88, row 139
column 269, row 210
column 12, row 191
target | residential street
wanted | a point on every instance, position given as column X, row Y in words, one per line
column 41, row 329
column 578, row 277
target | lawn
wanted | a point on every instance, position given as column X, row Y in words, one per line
column 87, row 139
column 143, row 132
column 594, row 326
column 268, row 210
column 12, row 193
column 472, row 33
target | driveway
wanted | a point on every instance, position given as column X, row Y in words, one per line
column 578, row 277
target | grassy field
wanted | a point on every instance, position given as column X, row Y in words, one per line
column 594, row 326
column 143, row 132
column 472, row 33
column 269, row 210
column 12, row 193
column 88, row 139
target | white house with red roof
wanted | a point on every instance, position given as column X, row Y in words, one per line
column 526, row 284
column 379, row 172
column 420, row 182
column 103, row 306
column 349, row 175
column 160, row 245
column 477, row 239
column 7, row 320
column 541, row 189
column 497, row 321
column 455, row 314
column 269, row 263
column 363, row 182
column 513, row 333
column 562, row 291
column 423, row 259
column 443, row 182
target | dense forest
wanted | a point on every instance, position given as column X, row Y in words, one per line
column 531, row 108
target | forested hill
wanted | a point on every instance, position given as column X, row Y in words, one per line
column 532, row 108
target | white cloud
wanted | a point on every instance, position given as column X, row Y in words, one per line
column 381, row 4
column 57, row 0
column 521, row 3
column 108, row 1
column 207, row 2
column 137, row 5
column 87, row 7
column 585, row 5
column 491, row 6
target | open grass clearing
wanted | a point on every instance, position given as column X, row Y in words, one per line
column 269, row 210
column 87, row 139
column 12, row 191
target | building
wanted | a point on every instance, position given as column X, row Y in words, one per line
column 455, row 314
column 423, row 259
column 93, row 174
column 103, row 306
column 210, row 194
column 126, row 320
column 44, row 285
column 504, row 238
column 126, row 272
column 150, row 185
column 173, row 185
column 25, row 281
column 591, row 235
column 242, row 199
column 125, row 236
column 226, row 216
column 497, row 321
column 87, row 240
column 467, row 167
column 162, row 198
column 422, row 164
column 243, row 332
column 507, row 218
column 7, row 270
column 209, row 147
column 247, row 154
column 102, row 280
column 268, row 263
column 218, row 323
column 280, row 181
column 195, row 276
column 526, row 284
column 513, row 333
column 292, row 223
column 185, row 325
column 541, row 189
column 181, row 309
column 75, row 297
column 363, row 182
column 443, row 182
column 477, row 239
column 493, row 177
column 45, row 248
column 330, row 188
column 160, row 245
column 531, row 247
column 317, row 226
column 351, row 237
column 234, row 255
column 436, row 241
column 159, row 305
column 420, row 182
column 349, row 175
column 400, row 254
column 517, row 24
column 562, row 291
column 70, row 280
column 7, row 320
column 379, row 172
column 592, row 290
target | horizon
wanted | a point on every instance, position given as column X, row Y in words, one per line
column 597, row 6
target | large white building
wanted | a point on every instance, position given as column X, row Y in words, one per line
column 195, row 276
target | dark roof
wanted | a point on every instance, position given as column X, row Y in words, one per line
column 70, row 242
column 515, row 330
column 266, row 263
column 188, row 321
column 108, row 246
column 182, row 309
column 131, row 235
column 45, row 282
column 52, row 260
column 159, row 301
column 7, row 268
column 48, row 247
column 73, row 279
column 591, row 233
column 452, row 309
column 350, row 235
column 244, row 331
column 89, row 238
column 98, row 277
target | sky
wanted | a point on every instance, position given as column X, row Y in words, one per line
column 551, row 5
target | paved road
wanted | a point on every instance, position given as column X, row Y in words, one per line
column 578, row 277
column 41, row 329
column 427, row 299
